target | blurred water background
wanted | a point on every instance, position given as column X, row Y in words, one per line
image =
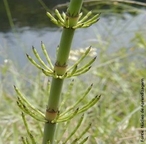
column 24, row 23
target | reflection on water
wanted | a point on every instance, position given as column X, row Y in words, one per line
column 113, row 32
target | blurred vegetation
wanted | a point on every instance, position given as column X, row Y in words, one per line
column 115, row 118
column 116, row 76
column 26, row 13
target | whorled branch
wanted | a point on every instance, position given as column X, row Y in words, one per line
column 49, row 70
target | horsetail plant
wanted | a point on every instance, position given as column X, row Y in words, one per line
column 70, row 21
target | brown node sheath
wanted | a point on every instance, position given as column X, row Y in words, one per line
column 51, row 114
column 60, row 69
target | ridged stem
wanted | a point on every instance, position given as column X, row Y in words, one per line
column 60, row 69
column 65, row 44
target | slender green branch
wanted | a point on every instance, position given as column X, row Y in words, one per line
column 60, row 69
column 46, row 55
column 75, row 129
column 70, row 21
column 73, row 106
column 28, row 131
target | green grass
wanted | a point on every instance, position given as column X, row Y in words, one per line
column 116, row 117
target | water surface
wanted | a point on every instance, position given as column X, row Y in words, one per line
column 31, row 26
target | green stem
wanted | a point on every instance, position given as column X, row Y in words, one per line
column 56, row 88
column 9, row 15
column 65, row 44
column 60, row 69
column 74, row 7
column 52, row 110
column 49, row 133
